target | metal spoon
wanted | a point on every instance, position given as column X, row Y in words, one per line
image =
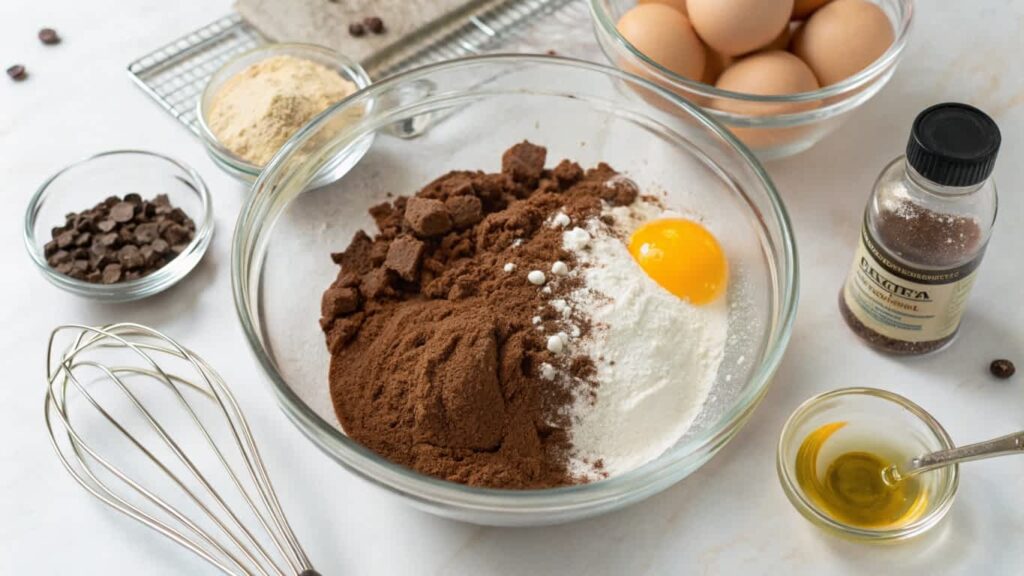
column 1002, row 446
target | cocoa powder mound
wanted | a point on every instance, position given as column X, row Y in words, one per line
column 434, row 357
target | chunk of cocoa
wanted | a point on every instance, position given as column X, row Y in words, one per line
column 427, row 217
column 404, row 257
column 524, row 162
column 338, row 301
column 377, row 283
column 465, row 211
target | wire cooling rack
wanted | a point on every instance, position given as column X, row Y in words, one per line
column 174, row 75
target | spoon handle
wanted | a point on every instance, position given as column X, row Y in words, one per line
column 997, row 447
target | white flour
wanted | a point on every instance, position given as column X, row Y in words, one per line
column 656, row 356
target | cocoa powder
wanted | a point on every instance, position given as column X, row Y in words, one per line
column 434, row 357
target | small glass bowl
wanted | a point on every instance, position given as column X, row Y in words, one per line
column 88, row 182
column 770, row 136
column 226, row 159
column 870, row 414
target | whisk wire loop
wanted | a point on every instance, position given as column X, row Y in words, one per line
column 233, row 548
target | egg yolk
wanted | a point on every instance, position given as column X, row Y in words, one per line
column 681, row 256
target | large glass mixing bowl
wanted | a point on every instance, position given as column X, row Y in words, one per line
column 462, row 115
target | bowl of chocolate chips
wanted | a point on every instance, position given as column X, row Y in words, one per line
column 120, row 225
column 545, row 290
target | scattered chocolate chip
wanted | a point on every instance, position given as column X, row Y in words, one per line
column 1002, row 368
column 106, row 225
column 356, row 29
column 49, row 36
column 374, row 24
column 17, row 72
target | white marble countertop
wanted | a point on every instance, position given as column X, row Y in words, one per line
column 731, row 517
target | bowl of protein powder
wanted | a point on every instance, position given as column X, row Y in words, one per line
column 257, row 101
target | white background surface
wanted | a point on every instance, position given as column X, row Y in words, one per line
column 729, row 518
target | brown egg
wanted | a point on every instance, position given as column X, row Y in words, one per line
column 664, row 35
column 782, row 41
column 804, row 8
column 734, row 27
column 843, row 38
column 677, row 4
column 715, row 63
column 771, row 73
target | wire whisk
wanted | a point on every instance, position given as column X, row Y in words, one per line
column 150, row 429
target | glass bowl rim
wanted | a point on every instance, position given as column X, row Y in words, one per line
column 228, row 159
column 798, row 499
column 845, row 87
column 140, row 287
column 412, row 484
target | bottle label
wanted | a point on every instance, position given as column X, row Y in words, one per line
column 903, row 302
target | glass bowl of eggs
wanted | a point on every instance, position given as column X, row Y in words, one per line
column 431, row 121
column 780, row 74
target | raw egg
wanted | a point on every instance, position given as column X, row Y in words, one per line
column 843, row 38
column 682, row 257
column 734, row 27
column 664, row 35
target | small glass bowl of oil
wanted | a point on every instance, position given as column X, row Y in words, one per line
column 832, row 454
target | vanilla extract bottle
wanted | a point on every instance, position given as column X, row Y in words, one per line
column 924, row 234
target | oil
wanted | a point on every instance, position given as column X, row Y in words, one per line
column 852, row 490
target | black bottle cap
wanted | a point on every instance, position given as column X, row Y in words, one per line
column 954, row 144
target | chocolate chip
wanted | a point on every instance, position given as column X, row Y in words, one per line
column 356, row 29
column 66, row 239
column 176, row 234
column 109, row 240
column 178, row 216
column 122, row 212
column 49, row 36
column 1002, row 368
column 17, row 72
column 146, row 233
column 60, row 257
column 404, row 257
column 427, row 217
column 374, row 24
column 465, row 210
column 160, row 246
column 112, row 274
column 119, row 232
